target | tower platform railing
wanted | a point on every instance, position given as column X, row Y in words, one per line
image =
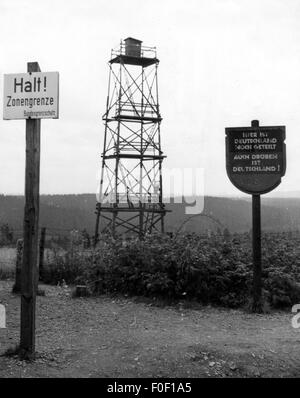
column 146, row 52
column 137, row 109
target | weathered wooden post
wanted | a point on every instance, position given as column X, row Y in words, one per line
column 255, row 163
column 31, row 227
column 32, row 96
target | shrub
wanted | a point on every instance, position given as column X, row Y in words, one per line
column 216, row 271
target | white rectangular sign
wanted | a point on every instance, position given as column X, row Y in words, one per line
column 31, row 95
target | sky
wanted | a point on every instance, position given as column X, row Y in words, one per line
column 222, row 64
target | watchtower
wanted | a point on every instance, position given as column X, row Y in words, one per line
column 130, row 197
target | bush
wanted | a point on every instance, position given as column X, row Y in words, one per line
column 212, row 271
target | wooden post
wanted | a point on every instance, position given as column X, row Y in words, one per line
column 19, row 249
column 42, row 248
column 31, row 222
column 256, row 247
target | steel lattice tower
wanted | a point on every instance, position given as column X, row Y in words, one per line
column 130, row 196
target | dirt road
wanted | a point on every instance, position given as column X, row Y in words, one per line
column 107, row 337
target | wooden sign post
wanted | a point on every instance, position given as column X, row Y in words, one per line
column 256, row 249
column 31, row 96
column 255, row 163
column 29, row 274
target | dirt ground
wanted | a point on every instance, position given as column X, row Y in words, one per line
column 122, row 337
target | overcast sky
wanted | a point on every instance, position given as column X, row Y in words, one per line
column 222, row 64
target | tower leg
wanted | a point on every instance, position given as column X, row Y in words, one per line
column 96, row 236
column 141, row 223
column 162, row 223
column 113, row 227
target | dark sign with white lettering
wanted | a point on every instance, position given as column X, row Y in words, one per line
column 255, row 157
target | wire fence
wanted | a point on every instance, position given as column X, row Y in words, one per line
column 10, row 235
column 51, row 242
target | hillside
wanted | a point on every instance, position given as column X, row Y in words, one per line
column 58, row 213
column 65, row 212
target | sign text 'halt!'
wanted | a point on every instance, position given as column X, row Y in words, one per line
column 31, row 95
column 255, row 157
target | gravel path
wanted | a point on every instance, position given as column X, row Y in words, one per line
column 119, row 337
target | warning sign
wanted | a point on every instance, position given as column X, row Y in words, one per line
column 31, row 95
column 255, row 157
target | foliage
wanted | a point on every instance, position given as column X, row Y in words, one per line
column 212, row 270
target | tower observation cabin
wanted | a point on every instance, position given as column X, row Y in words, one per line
column 130, row 197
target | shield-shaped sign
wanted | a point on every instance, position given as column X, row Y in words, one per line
column 255, row 157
